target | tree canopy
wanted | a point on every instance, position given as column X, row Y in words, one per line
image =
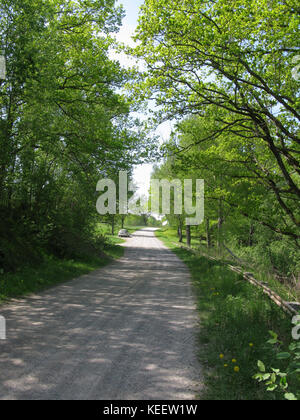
column 226, row 71
column 64, row 121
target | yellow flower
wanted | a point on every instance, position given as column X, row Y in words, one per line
column 221, row 356
column 236, row 369
column 251, row 345
column 233, row 360
column 225, row 365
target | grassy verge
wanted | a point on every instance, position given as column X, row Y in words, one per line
column 235, row 322
column 52, row 272
column 285, row 290
column 261, row 273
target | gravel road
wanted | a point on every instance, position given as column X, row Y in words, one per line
column 126, row 331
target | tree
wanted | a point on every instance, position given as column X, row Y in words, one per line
column 63, row 121
column 240, row 213
column 235, row 60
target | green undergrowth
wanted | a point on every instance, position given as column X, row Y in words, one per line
column 53, row 271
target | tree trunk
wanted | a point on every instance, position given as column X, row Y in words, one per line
column 180, row 234
column 208, row 233
column 220, row 224
column 113, row 225
column 188, row 235
column 251, row 233
column 123, row 221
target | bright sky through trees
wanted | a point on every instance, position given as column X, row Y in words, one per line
column 142, row 173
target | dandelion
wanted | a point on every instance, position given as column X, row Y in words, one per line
column 225, row 365
column 236, row 369
column 251, row 344
column 221, row 356
column 234, row 361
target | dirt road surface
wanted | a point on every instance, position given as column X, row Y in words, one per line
column 126, row 331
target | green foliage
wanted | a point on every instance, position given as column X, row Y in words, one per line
column 269, row 251
column 278, row 381
column 63, row 125
column 142, row 220
column 53, row 271
column 227, row 68
column 240, row 210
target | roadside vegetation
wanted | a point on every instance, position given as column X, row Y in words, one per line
column 235, row 323
column 53, row 271
column 262, row 271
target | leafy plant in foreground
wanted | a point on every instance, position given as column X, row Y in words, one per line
column 276, row 380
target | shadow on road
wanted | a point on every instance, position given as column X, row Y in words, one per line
column 126, row 331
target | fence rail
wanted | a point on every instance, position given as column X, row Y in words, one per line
column 291, row 308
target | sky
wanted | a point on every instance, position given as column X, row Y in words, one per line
column 142, row 173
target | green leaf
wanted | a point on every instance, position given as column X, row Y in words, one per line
column 272, row 388
column 283, row 383
column 282, row 356
column 261, row 366
column 290, row 397
column 273, row 334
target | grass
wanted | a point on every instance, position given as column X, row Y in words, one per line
column 261, row 273
column 235, row 322
column 53, row 271
column 283, row 289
